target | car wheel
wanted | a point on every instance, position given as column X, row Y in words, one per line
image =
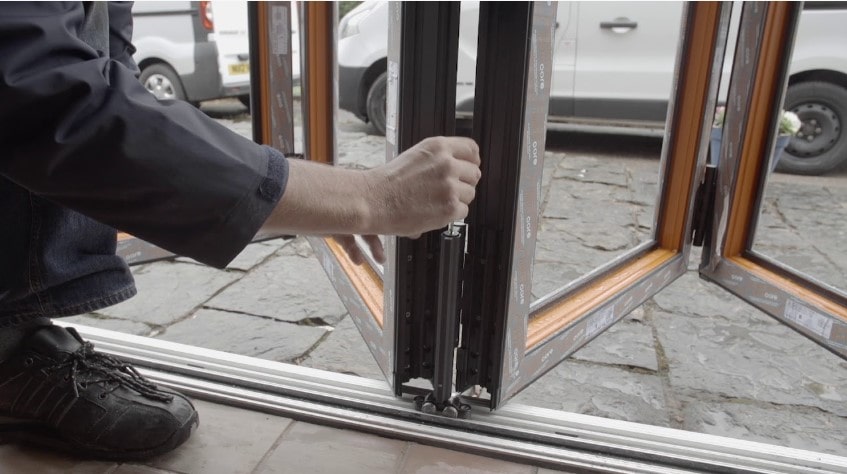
column 821, row 144
column 162, row 82
column 376, row 103
column 245, row 99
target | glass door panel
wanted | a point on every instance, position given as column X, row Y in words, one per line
column 801, row 226
column 811, row 305
column 539, row 336
column 621, row 80
column 804, row 201
column 359, row 287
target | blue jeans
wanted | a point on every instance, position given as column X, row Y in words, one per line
column 54, row 261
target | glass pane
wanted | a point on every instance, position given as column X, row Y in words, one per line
column 804, row 209
column 609, row 96
column 710, row 364
column 697, row 358
column 802, row 225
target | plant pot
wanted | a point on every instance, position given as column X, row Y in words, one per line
column 715, row 147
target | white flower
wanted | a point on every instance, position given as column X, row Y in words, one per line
column 789, row 124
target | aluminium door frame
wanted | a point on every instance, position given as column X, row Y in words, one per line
column 510, row 113
column 423, row 40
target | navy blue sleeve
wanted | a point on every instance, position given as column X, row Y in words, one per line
column 78, row 128
column 120, row 35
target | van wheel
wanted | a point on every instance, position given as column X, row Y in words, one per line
column 245, row 100
column 821, row 144
column 376, row 103
column 162, row 82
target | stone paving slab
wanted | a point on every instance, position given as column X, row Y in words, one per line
column 592, row 170
column 628, row 344
column 344, row 351
column 227, row 442
column 243, row 334
column 547, row 277
column 748, row 355
column 802, row 225
column 169, row 291
column 251, row 256
column 599, row 390
column 113, row 324
column 796, row 426
column 290, row 286
column 16, row 459
column 360, row 150
column 595, row 247
column 693, row 296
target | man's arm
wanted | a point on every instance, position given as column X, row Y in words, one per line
column 78, row 128
column 424, row 188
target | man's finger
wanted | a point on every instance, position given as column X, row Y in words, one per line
column 375, row 245
column 460, row 212
column 466, row 193
column 465, row 149
column 468, row 172
column 348, row 243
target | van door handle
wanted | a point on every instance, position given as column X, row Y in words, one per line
column 623, row 23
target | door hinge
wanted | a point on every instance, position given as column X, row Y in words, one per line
column 704, row 204
column 443, row 399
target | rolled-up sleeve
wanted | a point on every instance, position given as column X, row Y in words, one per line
column 79, row 129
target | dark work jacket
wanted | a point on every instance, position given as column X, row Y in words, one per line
column 79, row 131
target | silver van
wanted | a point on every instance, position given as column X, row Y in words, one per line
column 613, row 65
column 193, row 51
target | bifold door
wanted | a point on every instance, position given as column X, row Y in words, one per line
column 453, row 307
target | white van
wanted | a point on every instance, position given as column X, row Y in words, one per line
column 622, row 75
column 193, row 51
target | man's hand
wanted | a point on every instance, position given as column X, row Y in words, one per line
column 424, row 188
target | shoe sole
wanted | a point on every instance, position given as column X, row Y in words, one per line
column 38, row 435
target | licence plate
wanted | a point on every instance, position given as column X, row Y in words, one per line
column 240, row 68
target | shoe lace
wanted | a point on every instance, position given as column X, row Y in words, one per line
column 102, row 368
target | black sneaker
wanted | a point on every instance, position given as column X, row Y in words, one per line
column 56, row 391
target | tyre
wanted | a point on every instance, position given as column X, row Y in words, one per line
column 376, row 103
column 162, row 82
column 821, row 144
column 245, row 99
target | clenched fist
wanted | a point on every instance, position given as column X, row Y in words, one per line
column 424, row 188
